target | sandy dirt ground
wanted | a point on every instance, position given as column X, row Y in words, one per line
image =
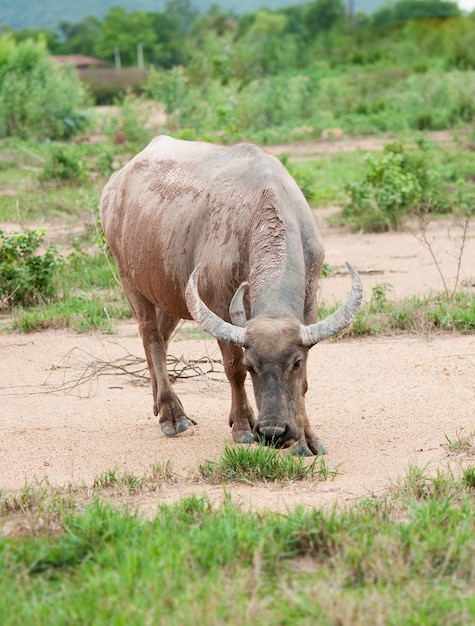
column 379, row 405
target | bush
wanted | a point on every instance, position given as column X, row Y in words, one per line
column 301, row 173
column 64, row 164
column 394, row 184
column 26, row 277
column 37, row 99
column 129, row 127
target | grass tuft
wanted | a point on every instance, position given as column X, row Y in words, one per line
column 414, row 314
column 262, row 463
column 462, row 444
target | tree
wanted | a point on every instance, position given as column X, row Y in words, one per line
column 323, row 15
column 405, row 10
column 182, row 13
column 81, row 38
column 125, row 31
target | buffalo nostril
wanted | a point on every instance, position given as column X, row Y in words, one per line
column 270, row 431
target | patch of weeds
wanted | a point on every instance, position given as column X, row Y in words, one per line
column 64, row 164
column 36, row 509
column 263, row 463
column 420, row 485
column 81, row 313
column 26, row 277
column 417, row 314
column 125, row 481
column 462, row 444
column 129, row 127
column 326, row 270
column 162, row 472
column 468, row 477
column 302, row 174
column 85, row 271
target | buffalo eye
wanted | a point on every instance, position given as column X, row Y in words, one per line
column 249, row 368
column 297, row 364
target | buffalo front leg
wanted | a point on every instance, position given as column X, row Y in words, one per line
column 241, row 417
column 156, row 327
column 308, row 443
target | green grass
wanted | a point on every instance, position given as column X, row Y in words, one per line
column 323, row 178
column 22, row 167
column 257, row 463
column 404, row 558
column 82, row 313
column 414, row 314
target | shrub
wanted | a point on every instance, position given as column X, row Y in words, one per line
column 26, row 277
column 301, row 173
column 129, row 127
column 64, row 164
column 395, row 183
column 37, row 99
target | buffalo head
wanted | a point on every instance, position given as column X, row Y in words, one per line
column 275, row 355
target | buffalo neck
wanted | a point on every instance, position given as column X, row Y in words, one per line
column 277, row 276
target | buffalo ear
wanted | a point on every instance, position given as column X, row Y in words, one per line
column 237, row 310
column 209, row 321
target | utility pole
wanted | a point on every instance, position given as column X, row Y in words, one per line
column 117, row 58
column 351, row 11
column 140, row 56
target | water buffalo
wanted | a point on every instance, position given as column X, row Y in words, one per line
column 191, row 223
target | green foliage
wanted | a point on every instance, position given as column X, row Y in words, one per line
column 417, row 314
column 37, row 99
column 404, row 10
column 124, row 31
column 26, row 277
column 64, row 163
column 303, row 175
column 195, row 563
column 129, row 127
column 262, row 463
column 323, row 15
column 82, row 313
column 394, row 184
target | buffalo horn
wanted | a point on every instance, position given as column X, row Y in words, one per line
column 338, row 320
column 209, row 321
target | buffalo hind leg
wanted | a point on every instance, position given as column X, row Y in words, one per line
column 156, row 327
column 241, row 417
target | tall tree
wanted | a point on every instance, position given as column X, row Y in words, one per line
column 125, row 32
column 80, row 38
column 413, row 9
column 323, row 15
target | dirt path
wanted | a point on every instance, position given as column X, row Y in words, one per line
column 306, row 150
column 379, row 405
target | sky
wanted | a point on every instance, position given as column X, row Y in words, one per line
column 466, row 5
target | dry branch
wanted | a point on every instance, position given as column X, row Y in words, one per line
column 89, row 369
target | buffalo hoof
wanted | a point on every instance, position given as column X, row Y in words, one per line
column 243, row 436
column 301, row 449
column 182, row 424
column 321, row 448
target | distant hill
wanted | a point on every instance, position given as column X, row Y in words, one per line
column 22, row 14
